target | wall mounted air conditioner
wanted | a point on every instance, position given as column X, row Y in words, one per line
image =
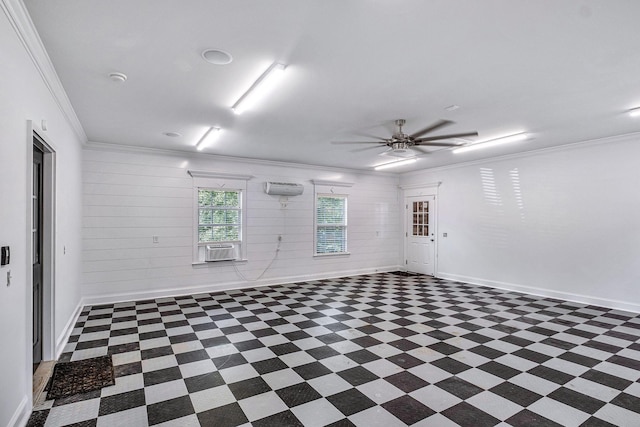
column 283, row 188
column 221, row 252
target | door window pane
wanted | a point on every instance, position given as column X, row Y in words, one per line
column 421, row 218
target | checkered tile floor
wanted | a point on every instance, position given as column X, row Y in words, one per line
column 373, row 350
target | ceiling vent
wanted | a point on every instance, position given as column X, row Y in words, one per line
column 283, row 188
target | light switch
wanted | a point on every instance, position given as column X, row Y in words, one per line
column 444, row 234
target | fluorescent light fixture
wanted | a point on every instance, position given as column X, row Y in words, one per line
column 493, row 142
column 259, row 88
column 634, row 112
column 207, row 139
column 394, row 164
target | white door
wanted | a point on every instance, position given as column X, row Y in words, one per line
column 420, row 234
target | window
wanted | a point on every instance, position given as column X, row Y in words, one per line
column 219, row 216
column 421, row 218
column 331, row 224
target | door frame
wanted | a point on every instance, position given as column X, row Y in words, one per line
column 37, row 202
column 36, row 137
column 417, row 190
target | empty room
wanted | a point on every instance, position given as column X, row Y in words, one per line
column 319, row 213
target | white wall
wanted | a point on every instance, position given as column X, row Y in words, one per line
column 24, row 96
column 563, row 222
column 130, row 196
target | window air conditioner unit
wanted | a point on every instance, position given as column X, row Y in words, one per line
column 222, row 252
column 283, row 188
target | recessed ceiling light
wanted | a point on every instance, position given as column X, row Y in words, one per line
column 217, row 56
column 172, row 134
column 118, row 77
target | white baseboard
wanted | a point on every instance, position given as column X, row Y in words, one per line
column 241, row 284
column 583, row 299
column 62, row 339
column 21, row 415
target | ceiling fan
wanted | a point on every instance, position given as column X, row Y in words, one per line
column 401, row 144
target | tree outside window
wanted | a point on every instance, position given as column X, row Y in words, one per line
column 219, row 216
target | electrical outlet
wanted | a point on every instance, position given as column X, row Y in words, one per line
column 279, row 237
column 155, row 239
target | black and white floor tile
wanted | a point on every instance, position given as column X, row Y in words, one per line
column 372, row 350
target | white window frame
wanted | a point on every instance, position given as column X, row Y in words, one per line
column 219, row 181
column 330, row 189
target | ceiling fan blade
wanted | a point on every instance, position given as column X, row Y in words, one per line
column 367, row 135
column 358, row 142
column 436, row 125
column 365, row 148
column 438, row 144
column 451, row 135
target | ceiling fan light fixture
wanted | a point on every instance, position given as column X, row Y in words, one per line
column 261, row 87
column 403, row 154
column 395, row 164
column 208, row 138
column 400, row 147
column 493, row 142
column 634, row 112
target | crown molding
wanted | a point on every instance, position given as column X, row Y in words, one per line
column 530, row 153
column 21, row 22
column 103, row 146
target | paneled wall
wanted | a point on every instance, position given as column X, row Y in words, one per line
column 563, row 222
column 129, row 197
column 25, row 96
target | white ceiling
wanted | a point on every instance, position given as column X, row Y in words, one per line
column 563, row 71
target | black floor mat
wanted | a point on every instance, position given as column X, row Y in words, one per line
column 404, row 273
column 81, row 376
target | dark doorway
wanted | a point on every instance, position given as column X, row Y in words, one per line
column 37, row 236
